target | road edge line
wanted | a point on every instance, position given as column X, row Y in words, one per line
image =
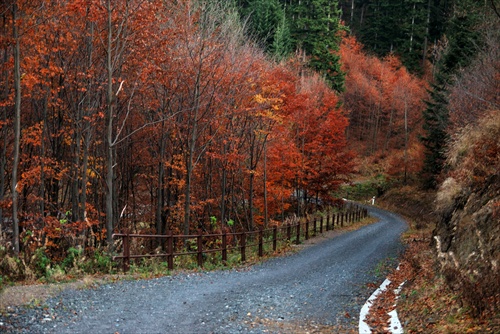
column 395, row 326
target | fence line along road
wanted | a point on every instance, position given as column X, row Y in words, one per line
column 237, row 240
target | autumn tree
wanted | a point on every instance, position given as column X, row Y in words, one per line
column 385, row 103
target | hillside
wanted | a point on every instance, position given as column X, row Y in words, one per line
column 467, row 236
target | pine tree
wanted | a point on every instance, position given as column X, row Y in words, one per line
column 436, row 120
column 282, row 42
column 316, row 30
column 464, row 42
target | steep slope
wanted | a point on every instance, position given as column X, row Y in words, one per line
column 467, row 236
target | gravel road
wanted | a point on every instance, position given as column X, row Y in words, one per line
column 319, row 289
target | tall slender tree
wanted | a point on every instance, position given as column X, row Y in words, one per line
column 463, row 43
column 17, row 124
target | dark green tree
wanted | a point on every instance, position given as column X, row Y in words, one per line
column 317, row 30
column 264, row 18
column 282, row 42
column 463, row 43
column 436, row 121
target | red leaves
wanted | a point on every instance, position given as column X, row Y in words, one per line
column 194, row 99
column 385, row 104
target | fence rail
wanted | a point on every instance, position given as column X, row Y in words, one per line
column 298, row 228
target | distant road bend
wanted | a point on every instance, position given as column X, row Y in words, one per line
column 323, row 286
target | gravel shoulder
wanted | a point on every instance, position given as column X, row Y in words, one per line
column 319, row 289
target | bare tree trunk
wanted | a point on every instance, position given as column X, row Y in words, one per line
column 109, row 133
column 223, row 189
column 266, row 213
column 3, row 157
column 406, row 143
column 424, row 55
column 87, row 137
column 389, row 131
column 190, row 167
column 352, row 11
column 17, row 129
column 160, row 191
column 412, row 28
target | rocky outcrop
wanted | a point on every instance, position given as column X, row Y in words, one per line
column 468, row 232
column 467, row 235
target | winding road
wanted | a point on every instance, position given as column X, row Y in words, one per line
column 322, row 288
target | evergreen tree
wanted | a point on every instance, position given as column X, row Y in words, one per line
column 316, row 30
column 282, row 42
column 269, row 24
column 463, row 45
column 436, row 120
column 265, row 17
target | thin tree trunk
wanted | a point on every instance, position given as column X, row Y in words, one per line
column 109, row 133
column 266, row 213
column 406, row 143
column 3, row 157
column 189, row 176
column 352, row 11
column 389, row 131
column 160, row 192
column 88, row 135
column 412, row 28
column 223, row 189
column 17, row 129
column 76, row 168
column 424, row 55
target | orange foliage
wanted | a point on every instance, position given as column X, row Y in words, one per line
column 384, row 102
column 187, row 100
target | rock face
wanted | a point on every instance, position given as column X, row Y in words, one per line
column 467, row 236
column 468, row 245
column 469, row 229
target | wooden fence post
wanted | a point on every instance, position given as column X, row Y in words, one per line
column 321, row 225
column 314, row 226
column 275, row 238
column 243, row 245
column 170, row 250
column 289, row 231
column 224, row 247
column 199, row 245
column 307, row 229
column 261, row 246
column 126, row 253
column 297, row 240
column 327, row 222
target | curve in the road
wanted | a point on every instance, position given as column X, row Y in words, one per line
column 321, row 284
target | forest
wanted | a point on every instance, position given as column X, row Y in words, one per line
column 154, row 116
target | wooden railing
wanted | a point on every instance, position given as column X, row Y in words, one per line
column 298, row 228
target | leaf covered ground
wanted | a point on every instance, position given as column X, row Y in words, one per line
column 426, row 303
